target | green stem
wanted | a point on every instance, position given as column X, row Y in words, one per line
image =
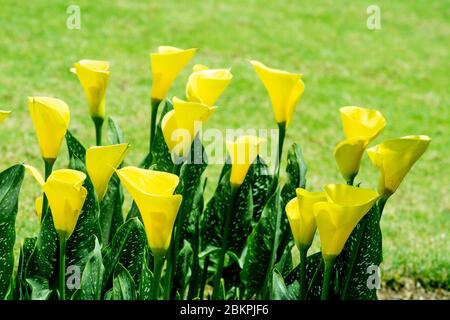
column 48, row 163
column 62, row 267
column 281, row 136
column 154, row 112
column 224, row 248
column 204, row 277
column 329, row 262
column 177, row 168
column 158, row 262
column 303, row 254
column 98, row 122
column 351, row 180
column 381, row 203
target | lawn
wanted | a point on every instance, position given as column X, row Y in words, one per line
column 402, row 70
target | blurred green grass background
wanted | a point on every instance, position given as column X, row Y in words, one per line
column 402, row 70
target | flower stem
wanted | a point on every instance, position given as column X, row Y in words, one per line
column 303, row 254
column 329, row 263
column 98, row 122
column 48, row 163
column 158, row 262
column 281, row 136
column 62, row 267
column 224, row 248
column 154, row 105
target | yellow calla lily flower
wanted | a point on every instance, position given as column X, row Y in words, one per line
column 348, row 154
column 153, row 193
column 206, row 85
column 285, row 90
column 101, row 161
column 166, row 64
column 38, row 203
column 338, row 216
column 4, row 114
column 361, row 126
column 394, row 158
column 66, row 194
column 180, row 125
column 51, row 120
column 93, row 76
column 362, row 122
column 243, row 152
column 301, row 218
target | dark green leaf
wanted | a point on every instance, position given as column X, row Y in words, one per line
column 123, row 284
column 115, row 134
column 145, row 281
column 127, row 248
column 111, row 217
column 183, row 270
column 279, row 290
column 358, row 263
column 262, row 247
column 40, row 289
column 295, row 178
column 314, row 276
column 10, row 183
column 92, row 278
column 22, row 291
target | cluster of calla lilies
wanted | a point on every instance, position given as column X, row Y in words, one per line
column 335, row 211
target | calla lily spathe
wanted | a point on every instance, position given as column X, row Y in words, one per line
column 361, row 126
column 93, row 76
column 338, row 216
column 243, row 152
column 180, row 125
column 51, row 120
column 101, row 161
column 394, row 158
column 4, row 114
column 153, row 193
column 285, row 90
column 300, row 213
column 206, row 85
column 166, row 64
column 66, row 195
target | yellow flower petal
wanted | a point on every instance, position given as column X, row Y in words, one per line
column 101, row 161
column 166, row 64
column 152, row 191
column 35, row 173
column 206, row 85
column 394, row 158
column 362, row 122
column 180, row 125
column 243, row 152
column 301, row 218
column 51, row 120
column 285, row 90
column 94, row 76
column 159, row 214
column 348, row 156
column 338, row 216
column 66, row 197
column 3, row 115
